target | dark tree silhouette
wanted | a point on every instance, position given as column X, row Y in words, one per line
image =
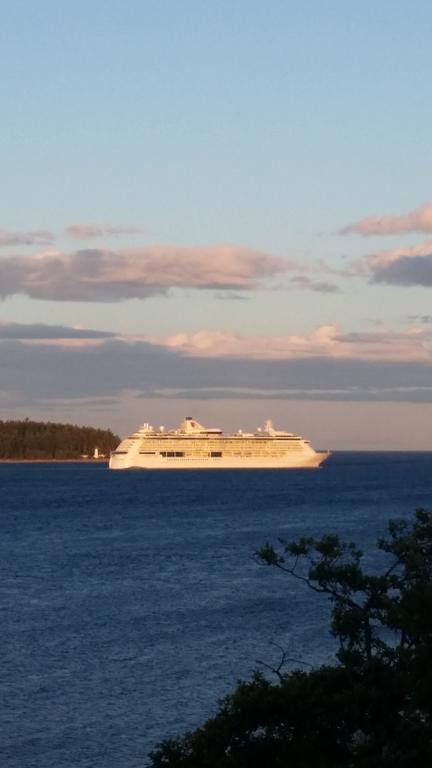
column 373, row 706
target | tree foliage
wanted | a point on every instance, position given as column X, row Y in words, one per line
column 47, row 440
column 373, row 706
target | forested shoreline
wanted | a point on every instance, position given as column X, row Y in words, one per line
column 36, row 440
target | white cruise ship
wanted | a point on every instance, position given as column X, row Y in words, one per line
column 193, row 446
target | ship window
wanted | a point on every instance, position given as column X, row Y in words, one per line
column 172, row 454
column 216, row 454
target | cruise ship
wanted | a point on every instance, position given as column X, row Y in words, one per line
column 193, row 446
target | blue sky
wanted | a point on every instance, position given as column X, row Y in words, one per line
column 236, row 187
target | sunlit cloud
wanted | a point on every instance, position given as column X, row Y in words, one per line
column 53, row 367
column 108, row 275
column 327, row 366
column 325, row 342
column 91, row 231
column 228, row 344
column 33, row 237
column 419, row 220
column 399, row 266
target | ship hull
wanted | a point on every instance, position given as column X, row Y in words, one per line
column 314, row 460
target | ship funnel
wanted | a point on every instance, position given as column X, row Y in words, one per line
column 190, row 426
column 269, row 428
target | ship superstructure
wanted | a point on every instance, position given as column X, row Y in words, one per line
column 193, row 446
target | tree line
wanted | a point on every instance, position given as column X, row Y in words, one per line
column 48, row 440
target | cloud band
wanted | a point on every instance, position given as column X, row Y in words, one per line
column 107, row 275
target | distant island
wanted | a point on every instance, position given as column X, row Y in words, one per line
column 47, row 441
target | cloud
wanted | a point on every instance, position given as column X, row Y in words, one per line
column 407, row 271
column 400, row 266
column 219, row 344
column 37, row 373
column 412, row 345
column 91, row 231
column 34, row 237
column 42, row 332
column 60, row 364
column 108, row 275
column 367, row 394
column 302, row 281
column 419, row 220
column 326, row 342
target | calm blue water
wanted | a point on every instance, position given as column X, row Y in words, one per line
column 131, row 601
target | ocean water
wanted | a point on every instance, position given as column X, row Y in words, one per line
column 131, row 601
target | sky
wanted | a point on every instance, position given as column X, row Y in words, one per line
column 222, row 210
